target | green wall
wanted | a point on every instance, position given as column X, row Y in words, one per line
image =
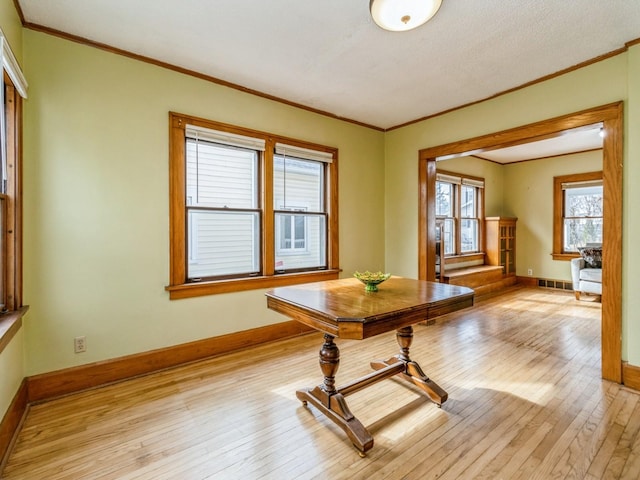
column 528, row 195
column 11, row 27
column 611, row 80
column 96, row 194
column 630, row 217
column 96, row 253
column 525, row 190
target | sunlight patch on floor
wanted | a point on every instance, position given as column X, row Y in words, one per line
column 536, row 392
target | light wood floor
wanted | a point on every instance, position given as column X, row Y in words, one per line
column 525, row 402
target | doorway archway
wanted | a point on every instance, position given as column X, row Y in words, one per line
column 611, row 117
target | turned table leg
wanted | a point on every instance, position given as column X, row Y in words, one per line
column 412, row 371
column 329, row 363
column 331, row 402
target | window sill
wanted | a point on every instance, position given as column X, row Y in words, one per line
column 465, row 257
column 10, row 323
column 564, row 256
column 198, row 289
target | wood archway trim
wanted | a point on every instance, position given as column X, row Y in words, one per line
column 611, row 116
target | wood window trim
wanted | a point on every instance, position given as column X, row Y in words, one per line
column 13, row 198
column 612, row 118
column 178, row 287
column 558, row 204
column 457, row 217
column 465, row 257
column 10, row 323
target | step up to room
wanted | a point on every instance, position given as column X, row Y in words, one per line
column 474, row 276
column 484, row 279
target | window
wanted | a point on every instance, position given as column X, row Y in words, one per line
column 222, row 205
column 293, row 233
column 469, row 219
column 13, row 88
column 445, row 211
column 248, row 209
column 460, row 207
column 299, row 187
column 578, row 213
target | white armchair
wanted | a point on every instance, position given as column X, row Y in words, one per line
column 585, row 279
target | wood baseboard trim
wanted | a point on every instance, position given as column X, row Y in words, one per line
column 631, row 376
column 11, row 422
column 70, row 380
column 528, row 281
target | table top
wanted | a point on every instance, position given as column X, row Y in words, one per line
column 344, row 309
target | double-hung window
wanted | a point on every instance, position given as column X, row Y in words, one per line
column 578, row 212
column 445, row 210
column 299, row 196
column 13, row 88
column 248, row 209
column 459, row 205
column 222, row 204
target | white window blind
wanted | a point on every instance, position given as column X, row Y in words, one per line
column 442, row 177
column 224, row 138
column 306, row 153
column 473, row 183
column 586, row 183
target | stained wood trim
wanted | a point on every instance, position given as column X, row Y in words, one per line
column 426, row 211
column 564, row 256
column 611, row 115
column 466, row 257
column 631, row 375
column 612, row 240
column 527, row 281
column 10, row 323
column 333, row 232
column 13, row 213
column 16, row 4
column 69, row 380
column 179, row 287
column 197, row 289
column 526, row 133
column 558, row 210
column 11, row 421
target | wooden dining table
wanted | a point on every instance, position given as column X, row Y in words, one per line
column 343, row 309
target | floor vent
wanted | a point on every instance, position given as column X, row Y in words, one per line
column 558, row 284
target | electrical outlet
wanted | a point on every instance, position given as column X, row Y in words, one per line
column 80, row 344
column 530, row 272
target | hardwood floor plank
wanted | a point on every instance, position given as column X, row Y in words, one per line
column 612, row 434
column 526, row 401
column 528, row 438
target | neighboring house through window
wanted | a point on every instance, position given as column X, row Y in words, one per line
column 459, row 205
column 248, row 209
column 299, row 186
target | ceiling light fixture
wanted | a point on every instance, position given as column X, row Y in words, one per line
column 402, row 15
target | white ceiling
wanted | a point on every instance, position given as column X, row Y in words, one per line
column 570, row 141
column 329, row 55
